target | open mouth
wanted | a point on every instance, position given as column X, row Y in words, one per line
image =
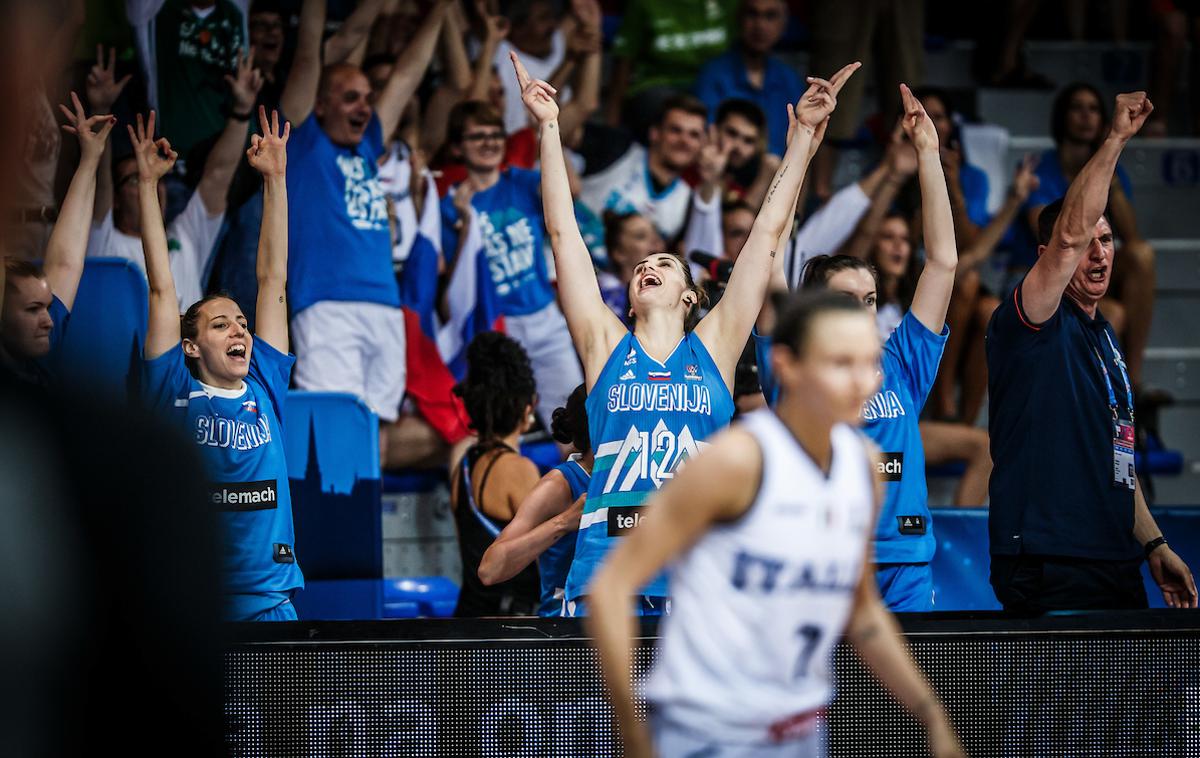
column 359, row 124
column 648, row 281
column 237, row 352
column 1097, row 274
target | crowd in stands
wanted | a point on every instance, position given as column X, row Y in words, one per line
column 415, row 198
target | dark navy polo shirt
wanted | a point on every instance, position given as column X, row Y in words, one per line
column 1052, row 490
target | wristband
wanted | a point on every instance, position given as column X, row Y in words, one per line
column 1154, row 544
column 231, row 113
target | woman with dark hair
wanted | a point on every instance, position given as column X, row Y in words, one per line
column 1079, row 124
column 629, row 238
column 546, row 523
column 904, row 542
column 657, row 391
column 226, row 386
column 491, row 478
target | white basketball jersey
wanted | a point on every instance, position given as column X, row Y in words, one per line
column 758, row 604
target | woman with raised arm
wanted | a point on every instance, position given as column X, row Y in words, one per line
column 226, row 386
column 656, row 392
column 904, row 541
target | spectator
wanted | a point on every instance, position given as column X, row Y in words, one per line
column 740, row 133
column 1075, row 537
column 193, row 233
column 507, row 205
column 187, row 48
column 346, row 322
column 226, row 387
column 535, row 31
column 1175, row 23
column 630, row 238
column 853, row 30
column 499, row 394
column 1078, row 128
column 649, row 180
column 658, row 51
column 37, row 302
column 748, row 71
column 547, row 521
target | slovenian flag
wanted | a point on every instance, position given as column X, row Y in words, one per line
column 659, row 376
column 430, row 383
column 473, row 304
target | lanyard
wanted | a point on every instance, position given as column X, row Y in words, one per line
column 1112, row 396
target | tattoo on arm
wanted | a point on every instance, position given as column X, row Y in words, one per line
column 772, row 253
column 865, row 635
column 778, row 178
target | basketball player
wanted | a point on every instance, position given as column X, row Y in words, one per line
column 656, row 392
column 226, row 386
column 547, row 520
column 768, row 536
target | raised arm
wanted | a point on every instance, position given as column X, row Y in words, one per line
column 726, row 328
column 594, row 329
column 353, row 31
column 300, row 93
column 154, row 159
column 1024, row 182
column 103, row 89
column 719, row 489
column 936, row 284
column 586, row 44
column 900, row 162
column 410, row 69
column 67, row 246
column 1043, row 288
column 268, row 156
column 544, row 517
column 223, row 159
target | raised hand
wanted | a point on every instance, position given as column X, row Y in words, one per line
column 900, row 156
column 1025, row 181
column 462, row 199
column 819, row 100
column 91, row 140
column 916, row 122
column 714, row 156
column 496, row 25
column 103, row 88
column 154, row 157
column 1130, row 114
column 245, row 83
column 268, row 151
column 537, row 95
column 589, row 14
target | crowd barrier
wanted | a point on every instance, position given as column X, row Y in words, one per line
column 1114, row 684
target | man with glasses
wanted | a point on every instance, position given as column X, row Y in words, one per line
column 508, row 207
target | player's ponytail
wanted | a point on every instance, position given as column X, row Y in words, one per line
column 569, row 424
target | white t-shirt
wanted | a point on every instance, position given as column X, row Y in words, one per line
column 191, row 238
column 515, row 116
column 625, row 186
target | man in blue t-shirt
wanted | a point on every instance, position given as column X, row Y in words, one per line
column 508, row 208
column 748, row 70
column 35, row 303
column 347, row 326
column 1077, row 124
column 1068, row 523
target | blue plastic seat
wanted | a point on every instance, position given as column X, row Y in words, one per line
column 408, row 597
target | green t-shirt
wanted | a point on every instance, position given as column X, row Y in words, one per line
column 193, row 55
column 668, row 40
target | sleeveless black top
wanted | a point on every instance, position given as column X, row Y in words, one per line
column 476, row 532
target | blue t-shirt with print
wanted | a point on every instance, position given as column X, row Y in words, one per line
column 241, row 442
column 891, row 419
column 339, row 240
column 510, row 219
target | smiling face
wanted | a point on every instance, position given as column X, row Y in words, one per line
column 344, row 104
column 837, row 369
column 221, row 345
column 25, row 324
column 636, row 240
column 1090, row 281
column 482, row 146
column 676, row 141
column 893, row 248
column 660, row 282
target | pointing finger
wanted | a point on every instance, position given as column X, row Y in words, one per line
column 522, row 74
column 843, row 75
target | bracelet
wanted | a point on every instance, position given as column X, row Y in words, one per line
column 240, row 116
column 1154, row 544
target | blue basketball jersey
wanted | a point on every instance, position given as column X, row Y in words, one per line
column 554, row 563
column 240, row 439
column 646, row 418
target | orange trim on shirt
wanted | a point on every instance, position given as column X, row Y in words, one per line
column 1020, row 314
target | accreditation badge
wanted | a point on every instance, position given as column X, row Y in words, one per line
column 1123, row 470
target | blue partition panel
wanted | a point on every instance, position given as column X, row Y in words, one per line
column 103, row 342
